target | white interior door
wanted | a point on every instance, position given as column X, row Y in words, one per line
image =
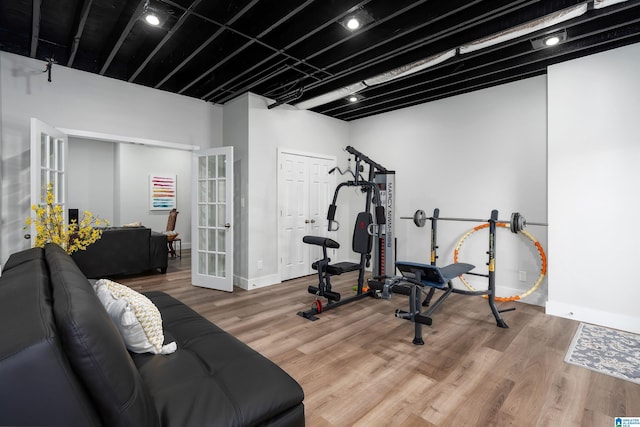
column 48, row 162
column 321, row 188
column 293, row 192
column 305, row 190
column 212, row 231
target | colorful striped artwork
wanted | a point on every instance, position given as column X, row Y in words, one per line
column 162, row 192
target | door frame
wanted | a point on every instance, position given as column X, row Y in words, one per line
column 281, row 151
column 206, row 279
column 121, row 139
column 37, row 128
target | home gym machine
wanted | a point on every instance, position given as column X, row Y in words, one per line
column 416, row 278
column 379, row 190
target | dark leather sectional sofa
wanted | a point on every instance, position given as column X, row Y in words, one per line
column 64, row 363
column 124, row 250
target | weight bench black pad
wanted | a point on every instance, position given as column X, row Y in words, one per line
column 430, row 275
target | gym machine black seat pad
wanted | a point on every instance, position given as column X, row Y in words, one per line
column 430, row 275
column 339, row 268
column 321, row 241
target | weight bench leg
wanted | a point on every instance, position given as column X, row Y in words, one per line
column 427, row 299
column 496, row 313
column 492, row 301
column 414, row 308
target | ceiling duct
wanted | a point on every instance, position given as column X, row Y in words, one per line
column 331, row 96
column 388, row 76
column 409, row 69
column 599, row 4
column 494, row 39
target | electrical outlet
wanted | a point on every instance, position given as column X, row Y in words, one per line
column 260, row 265
column 522, row 276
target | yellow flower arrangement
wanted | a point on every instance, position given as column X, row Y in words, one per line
column 51, row 228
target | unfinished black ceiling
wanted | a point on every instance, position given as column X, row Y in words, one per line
column 413, row 51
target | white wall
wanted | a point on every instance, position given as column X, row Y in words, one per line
column 136, row 164
column 594, row 153
column 467, row 155
column 112, row 181
column 236, row 134
column 83, row 101
column 90, row 177
column 268, row 130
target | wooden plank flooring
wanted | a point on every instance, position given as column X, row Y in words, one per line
column 358, row 367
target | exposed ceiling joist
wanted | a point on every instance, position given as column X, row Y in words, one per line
column 298, row 51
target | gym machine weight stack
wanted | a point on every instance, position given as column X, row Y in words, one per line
column 384, row 249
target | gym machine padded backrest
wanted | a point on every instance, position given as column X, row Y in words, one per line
column 362, row 243
column 362, row 240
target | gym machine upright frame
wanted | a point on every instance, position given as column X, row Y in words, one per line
column 379, row 189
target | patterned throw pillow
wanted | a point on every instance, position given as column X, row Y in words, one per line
column 136, row 317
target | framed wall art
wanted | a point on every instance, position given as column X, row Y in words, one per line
column 162, row 192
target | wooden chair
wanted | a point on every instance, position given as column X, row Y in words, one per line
column 172, row 236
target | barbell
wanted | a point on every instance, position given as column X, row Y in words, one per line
column 517, row 222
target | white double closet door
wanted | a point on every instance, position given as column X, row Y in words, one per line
column 305, row 190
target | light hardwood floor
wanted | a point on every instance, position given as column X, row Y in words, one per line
column 358, row 367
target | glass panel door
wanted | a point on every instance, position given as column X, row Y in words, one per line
column 48, row 163
column 212, row 246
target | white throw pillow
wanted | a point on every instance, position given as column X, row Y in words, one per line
column 137, row 318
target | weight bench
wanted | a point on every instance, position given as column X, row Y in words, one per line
column 417, row 276
column 362, row 244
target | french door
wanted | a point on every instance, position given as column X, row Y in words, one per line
column 305, row 190
column 48, row 162
column 211, row 215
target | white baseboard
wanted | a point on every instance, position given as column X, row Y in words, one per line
column 596, row 317
column 256, row 282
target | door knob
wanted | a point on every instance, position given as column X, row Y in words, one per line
column 306, row 221
column 227, row 225
column 313, row 221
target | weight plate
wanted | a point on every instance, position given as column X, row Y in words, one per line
column 419, row 218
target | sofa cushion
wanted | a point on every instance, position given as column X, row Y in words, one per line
column 213, row 378
column 22, row 257
column 37, row 383
column 137, row 319
column 94, row 347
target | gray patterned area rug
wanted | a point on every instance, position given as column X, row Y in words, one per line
column 607, row 351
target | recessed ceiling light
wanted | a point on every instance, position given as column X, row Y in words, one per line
column 356, row 20
column 549, row 40
column 353, row 23
column 552, row 41
column 353, row 98
column 152, row 19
